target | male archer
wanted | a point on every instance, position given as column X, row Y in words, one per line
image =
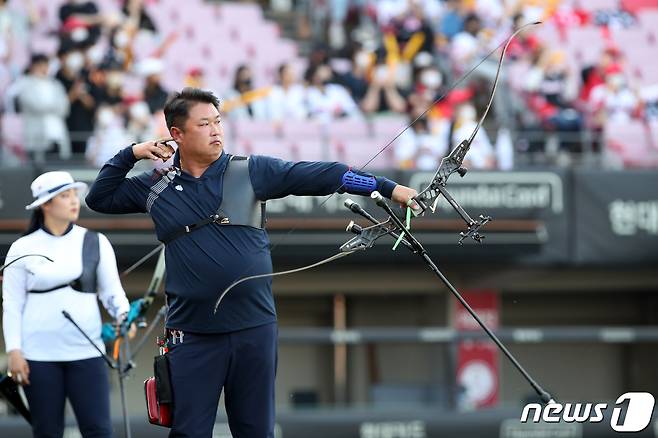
column 208, row 211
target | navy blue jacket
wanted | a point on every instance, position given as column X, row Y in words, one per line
column 200, row 265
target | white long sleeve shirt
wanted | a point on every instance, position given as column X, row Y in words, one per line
column 33, row 322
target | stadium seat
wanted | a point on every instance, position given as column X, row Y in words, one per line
column 386, row 128
column 648, row 18
column 629, row 141
column 309, row 150
column 256, row 129
column 600, row 5
column 359, row 152
column 272, row 147
column 11, row 129
column 634, row 6
column 309, row 129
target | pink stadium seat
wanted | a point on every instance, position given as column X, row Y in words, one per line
column 241, row 13
column 385, row 128
column 256, row 129
column 307, row 129
column 549, row 34
column 272, row 147
column 309, row 150
column 630, row 142
column 349, row 128
column 634, row 6
column 359, row 152
column 585, row 45
column 12, row 133
column 596, row 5
column 648, row 18
column 634, row 37
column 653, row 130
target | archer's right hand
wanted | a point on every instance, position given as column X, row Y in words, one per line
column 154, row 150
column 17, row 367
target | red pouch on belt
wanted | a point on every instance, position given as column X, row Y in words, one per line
column 159, row 398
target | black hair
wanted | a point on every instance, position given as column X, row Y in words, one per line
column 281, row 69
column 238, row 72
column 177, row 107
column 38, row 58
column 36, row 221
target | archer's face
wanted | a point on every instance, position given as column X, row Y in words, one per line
column 202, row 135
column 64, row 207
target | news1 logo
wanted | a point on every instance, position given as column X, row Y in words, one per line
column 631, row 413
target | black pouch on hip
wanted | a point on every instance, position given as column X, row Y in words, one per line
column 162, row 379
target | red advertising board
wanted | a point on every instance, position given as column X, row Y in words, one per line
column 477, row 361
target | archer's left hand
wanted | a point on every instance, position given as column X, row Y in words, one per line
column 402, row 195
column 132, row 330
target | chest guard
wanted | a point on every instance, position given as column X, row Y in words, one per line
column 239, row 205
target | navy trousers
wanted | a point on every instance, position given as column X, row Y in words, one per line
column 84, row 382
column 242, row 363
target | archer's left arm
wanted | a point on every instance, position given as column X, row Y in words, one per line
column 110, row 290
column 273, row 178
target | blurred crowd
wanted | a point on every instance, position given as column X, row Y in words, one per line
column 368, row 59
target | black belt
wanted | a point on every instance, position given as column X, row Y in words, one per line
column 76, row 285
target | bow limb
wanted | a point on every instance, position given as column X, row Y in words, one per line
column 6, row 265
column 276, row 274
column 495, row 85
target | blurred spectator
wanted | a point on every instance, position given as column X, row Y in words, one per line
column 80, row 121
column 141, row 125
column 426, row 94
column 137, row 14
column 411, row 32
column 552, row 91
column 481, row 154
column 318, row 56
column 356, row 80
column 327, row 101
column 109, row 136
column 524, row 44
column 465, row 46
column 14, row 29
column 452, row 19
column 154, row 93
column 382, row 94
column 287, row 100
column 81, row 22
column 595, row 75
column 614, row 100
column 195, row 78
column 420, row 148
column 338, row 10
column 120, row 52
column 115, row 78
column 44, row 106
column 244, row 101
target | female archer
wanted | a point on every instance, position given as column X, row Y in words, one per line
column 47, row 354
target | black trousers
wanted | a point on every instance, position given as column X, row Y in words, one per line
column 243, row 364
column 84, row 382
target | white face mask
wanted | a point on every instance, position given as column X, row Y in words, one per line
column 114, row 80
column 467, row 113
column 617, row 81
column 431, row 79
column 105, row 117
column 79, row 34
column 75, row 61
column 423, row 59
column 362, row 60
column 139, row 111
column 95, row 54
column 121, row 39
